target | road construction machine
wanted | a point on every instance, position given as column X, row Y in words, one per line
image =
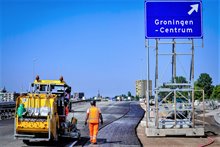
column 41, row 114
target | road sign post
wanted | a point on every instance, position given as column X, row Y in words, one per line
column 173, row 19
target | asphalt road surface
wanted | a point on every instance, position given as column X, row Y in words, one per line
column 119, row 128
column 122, row 131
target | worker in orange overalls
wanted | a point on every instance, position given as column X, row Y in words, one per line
column 93, row 116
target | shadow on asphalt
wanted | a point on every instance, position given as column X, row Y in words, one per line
column 83, row 141
column 102, row 141
column 61, row 142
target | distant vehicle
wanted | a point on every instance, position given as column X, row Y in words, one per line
column 41, row 114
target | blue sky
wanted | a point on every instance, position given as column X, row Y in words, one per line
column 94, row 44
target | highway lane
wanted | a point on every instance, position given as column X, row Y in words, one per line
column 7, row 132
column 120, row 128
column 122, row 116
column 121, row 132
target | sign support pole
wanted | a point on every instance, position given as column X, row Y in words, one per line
column 174, row 61
column 192, row 80
column 148, row 78
column 156, row 83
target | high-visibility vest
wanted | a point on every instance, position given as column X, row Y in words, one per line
column 93, row 115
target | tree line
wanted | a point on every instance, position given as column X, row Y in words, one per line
column 205, row 82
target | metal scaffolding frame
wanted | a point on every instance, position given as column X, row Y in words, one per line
column 169, row 115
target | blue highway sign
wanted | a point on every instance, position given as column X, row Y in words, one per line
column 173, row 19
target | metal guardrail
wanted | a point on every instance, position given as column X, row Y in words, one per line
column 7, row 113
column 7, row 110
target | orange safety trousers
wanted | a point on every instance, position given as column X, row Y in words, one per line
column 93, row 131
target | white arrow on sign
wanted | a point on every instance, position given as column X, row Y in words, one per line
column 194, row 8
